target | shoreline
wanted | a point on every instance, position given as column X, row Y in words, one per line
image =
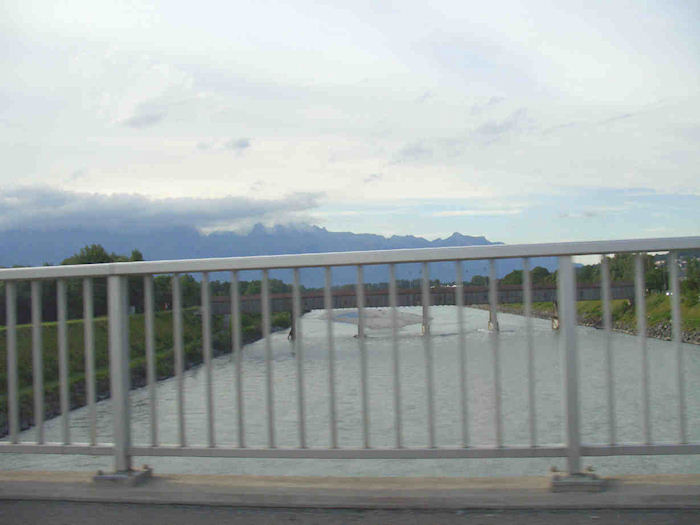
column 662, row 331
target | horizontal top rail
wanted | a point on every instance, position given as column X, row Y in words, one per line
column 309, row 260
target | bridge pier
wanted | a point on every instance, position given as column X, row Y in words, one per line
column 555, row 316
column 493, row 298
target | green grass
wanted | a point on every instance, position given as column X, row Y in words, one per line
column 163, row 334
column 658, row 311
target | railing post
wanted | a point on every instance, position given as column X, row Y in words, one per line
column 566, row 290
column 567, row 312
column 118, row 334
column 119, row 370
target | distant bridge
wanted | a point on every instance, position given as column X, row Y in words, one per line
column 443, row 295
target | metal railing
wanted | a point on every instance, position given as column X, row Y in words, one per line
column 117, row 275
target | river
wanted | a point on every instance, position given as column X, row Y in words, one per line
column 549, row 414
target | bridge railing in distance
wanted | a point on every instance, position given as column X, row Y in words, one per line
column 118, row 274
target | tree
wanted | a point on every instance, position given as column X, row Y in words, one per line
column 588, row 274
column 541, row 275
column 514, row 277
column 479, row 280
column 690, row 286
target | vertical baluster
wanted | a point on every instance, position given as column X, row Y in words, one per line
column 299, row 354
column 462, row 348
column 363, row 356
column 37, row 362
column 567, row 314
column 609, row 363
column 149, row 335
column 428, row 350
column 677, row 341
column 179, row 358
column 118, row 315
column 640, row 306
column 11, row 333
column 269, row 392
column 395, row 355
column 237, row 354
column 89, row 336
column 328, row 302
column 63, row 358
column 206, row 343
column 496, row 347
column 527, row 299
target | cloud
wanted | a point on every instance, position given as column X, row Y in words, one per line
column 238, row 144
column 145, row 120
column 374, row 177
column 476, row 109
column 52, row 209
column 493, row 212
column 494, row 129
column 424, row 97
column 617, row 117
column 413, row 152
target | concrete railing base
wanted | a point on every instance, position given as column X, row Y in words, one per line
column 127, row 478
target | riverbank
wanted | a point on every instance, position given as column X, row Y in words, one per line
column 590, row 313
column 251, row 330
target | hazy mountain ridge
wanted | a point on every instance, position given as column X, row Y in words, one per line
column 36, row 247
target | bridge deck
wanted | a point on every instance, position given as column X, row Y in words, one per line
column 627, row 492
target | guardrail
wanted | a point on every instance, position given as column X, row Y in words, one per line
column 117, row 274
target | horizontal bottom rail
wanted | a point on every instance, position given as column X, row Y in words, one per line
column 641, row 450
column 354, row 453
column 57, row 448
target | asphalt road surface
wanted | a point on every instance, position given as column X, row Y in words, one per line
column 69, row 513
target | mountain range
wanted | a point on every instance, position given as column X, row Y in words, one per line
column 36, row 247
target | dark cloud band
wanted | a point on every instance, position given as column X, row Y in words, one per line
column 52, row 209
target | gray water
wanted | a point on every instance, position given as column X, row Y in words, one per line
column 549, row 413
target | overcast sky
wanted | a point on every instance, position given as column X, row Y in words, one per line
column 523, row 122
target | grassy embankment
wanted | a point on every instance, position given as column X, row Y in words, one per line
column 192, row 345
column 624, row 316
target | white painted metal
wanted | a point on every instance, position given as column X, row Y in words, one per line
column 640, row 307
column 496, row 349
column 462, row 349
column 119, row 351
column 395, row 358
column 567, row 316
column 428, row 349
column 328, row 303
column 237, row 355
column 269, row 385
column 312, row 260
column 677, row 341
column 364, row 453
column 360, row 294
column 119, row 370
column 609, row 362
column 11, row 334
column 149, row 334
column 89, row 337
column 179, row 358
column 207, row 350
column 527, row 300
column 37, row 362
column 56, row 448
column 298, row 346
column 62, row 320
